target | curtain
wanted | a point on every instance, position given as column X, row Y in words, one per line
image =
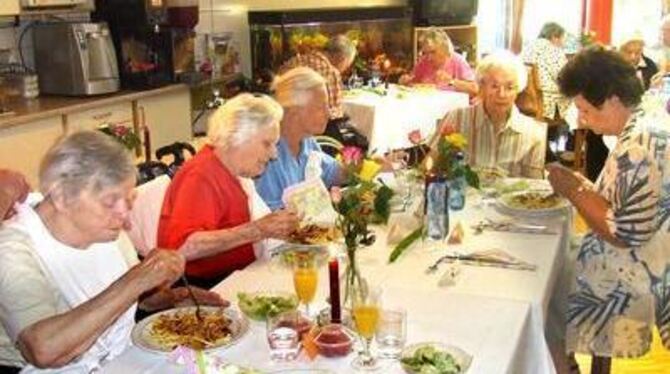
column 516, row 38
column 600, row 19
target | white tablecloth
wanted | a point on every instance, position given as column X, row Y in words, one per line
column 497, row 315
column 386, row 120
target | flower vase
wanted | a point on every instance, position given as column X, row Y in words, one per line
column 354, row 283
column 437, row 207
column 457, row 193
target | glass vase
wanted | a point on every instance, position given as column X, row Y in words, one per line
column 457, row 193
column 437, row 207
column 353, row 283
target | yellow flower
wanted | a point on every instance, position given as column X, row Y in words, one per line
column 457, row 140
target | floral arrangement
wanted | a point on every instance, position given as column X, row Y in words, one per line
column 448, row 160
column 587, row 38
column 122, row 134
column 363, row 202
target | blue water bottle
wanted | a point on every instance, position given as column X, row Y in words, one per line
column 437, row 207
column 457, row 187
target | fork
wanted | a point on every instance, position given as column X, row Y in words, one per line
column 198, row 315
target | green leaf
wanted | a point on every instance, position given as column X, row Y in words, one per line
column 471, row 177
column 405, row 243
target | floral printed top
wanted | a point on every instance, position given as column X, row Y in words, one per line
column 620, row 293
column 549, row 61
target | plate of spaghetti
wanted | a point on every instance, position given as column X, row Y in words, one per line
column 163, row 332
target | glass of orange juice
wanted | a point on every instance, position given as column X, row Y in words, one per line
column 367, row 307
column 305, row 280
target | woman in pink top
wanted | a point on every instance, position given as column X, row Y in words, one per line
column 440, row 65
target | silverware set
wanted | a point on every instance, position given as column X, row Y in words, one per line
column 492, row 258
column 515, row 227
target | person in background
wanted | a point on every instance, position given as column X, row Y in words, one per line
column 302, row 93
column 623, row 265
column 336, row 58
column 69, row 280
column 631, row 49
column 660, row 53
column 439, row 64
column 13, row 189
column 546, row 53
column 205, row 213
column 498, row 135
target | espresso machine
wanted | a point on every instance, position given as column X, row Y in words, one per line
column 154, row 40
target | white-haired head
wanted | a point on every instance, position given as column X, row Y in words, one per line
column 242, row 117
column 296, row 86
column 503, row 60
column 438, row 39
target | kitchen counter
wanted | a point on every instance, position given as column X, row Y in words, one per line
column 28, row 110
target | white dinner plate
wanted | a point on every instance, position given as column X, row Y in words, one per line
column 142, row 337
column 508, row 205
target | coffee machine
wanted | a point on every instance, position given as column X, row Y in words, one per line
column 154, row 40
column 75, row 58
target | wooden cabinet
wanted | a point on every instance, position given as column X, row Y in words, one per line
column 9, row 7
column 22, row 147
column 167, row 110
column 168, row 117
column 464, row 38
column 119, row 113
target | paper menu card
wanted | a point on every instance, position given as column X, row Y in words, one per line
column 311, row 200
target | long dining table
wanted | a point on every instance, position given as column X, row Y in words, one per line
column 497, row 315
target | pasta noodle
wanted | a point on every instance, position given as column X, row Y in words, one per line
column 534, row 200
column 183, row 328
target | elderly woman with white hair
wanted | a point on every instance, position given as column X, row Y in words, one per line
column 631, row 49
column 498, row 135
column 302, row 93
column 68, row 285
column 439, row 64
column 206, row 212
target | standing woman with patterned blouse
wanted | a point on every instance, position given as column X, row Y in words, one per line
column 623, row 264
column 546, row 53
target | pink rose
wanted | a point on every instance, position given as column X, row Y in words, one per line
column 351, row 155
column 415, row 137
column 335, row 195
column 447, row 129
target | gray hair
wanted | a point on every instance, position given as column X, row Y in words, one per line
column 551, row 30
column 340, row 47
column 295, row 87
column 438, row 38
column 240, row 118
column 503, row 60
column 84, row 160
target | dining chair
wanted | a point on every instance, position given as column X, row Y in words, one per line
column 146, row 212
column 329, row 142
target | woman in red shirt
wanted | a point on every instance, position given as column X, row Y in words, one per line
column 205, row 211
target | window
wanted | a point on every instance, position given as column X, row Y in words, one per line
column 636, row 16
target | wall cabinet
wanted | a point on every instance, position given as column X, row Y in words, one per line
column 168, row 115
column 9, row 7
column 22, row 147
column 120, row 113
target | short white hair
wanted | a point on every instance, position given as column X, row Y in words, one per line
column 84, row 160
column 503, row 60
column 242, row 117
column 296, row 86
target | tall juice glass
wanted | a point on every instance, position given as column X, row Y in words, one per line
column 305, row 280
column 367, row 307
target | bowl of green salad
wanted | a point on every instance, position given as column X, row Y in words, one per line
column 260, row 305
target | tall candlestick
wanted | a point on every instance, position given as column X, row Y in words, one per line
column 334, row 276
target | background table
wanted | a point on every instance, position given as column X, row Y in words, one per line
column 387, row 119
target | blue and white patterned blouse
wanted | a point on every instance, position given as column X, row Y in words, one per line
column 620, row 293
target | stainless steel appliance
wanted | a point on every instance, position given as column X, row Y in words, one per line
column 75, row 59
